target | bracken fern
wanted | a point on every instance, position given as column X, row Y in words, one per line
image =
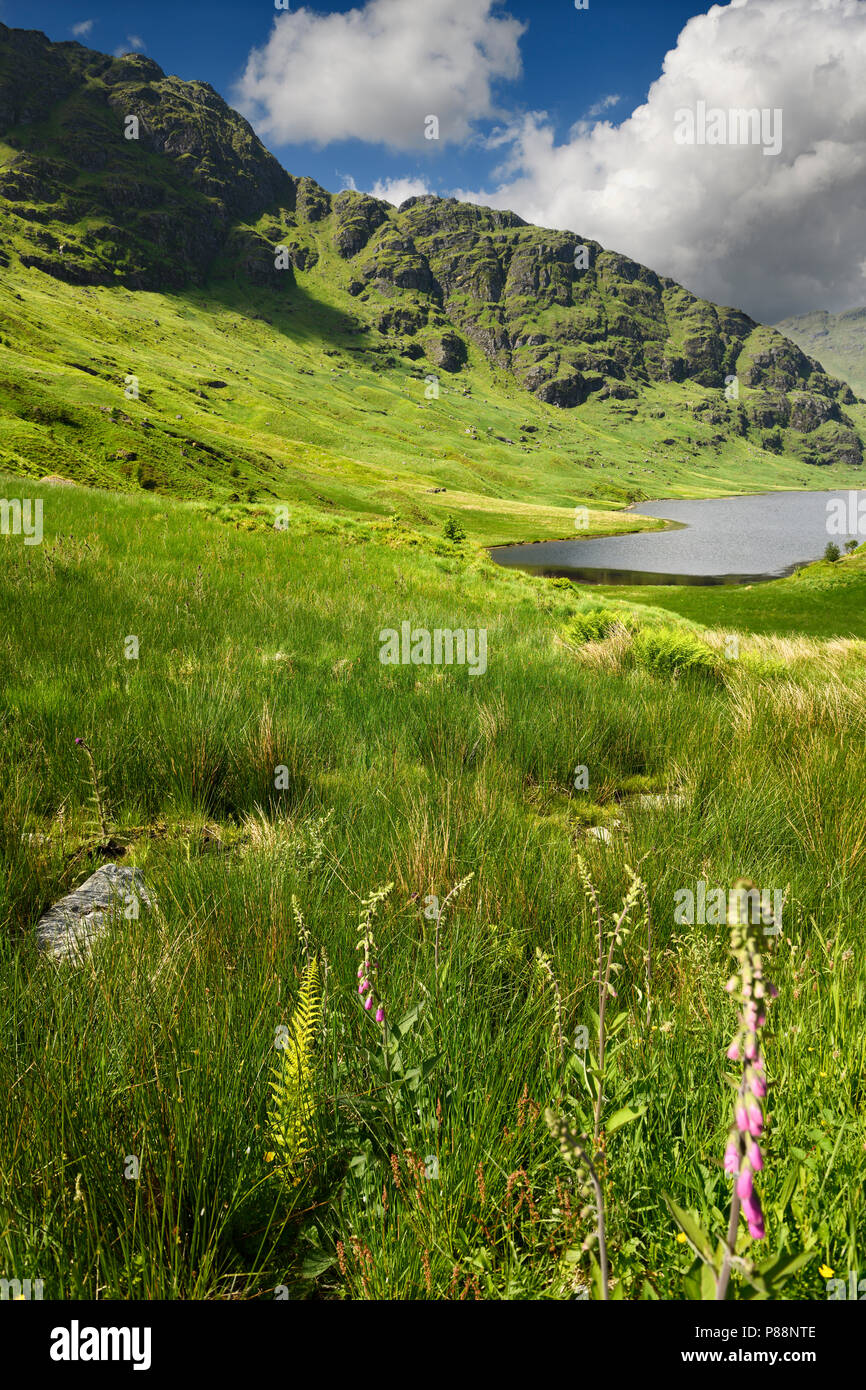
column 291, row 1113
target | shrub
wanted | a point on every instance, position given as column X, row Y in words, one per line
column 144, row 477
column 593, row 624
column 453, row 530
column 832, row 552
column 672, row 651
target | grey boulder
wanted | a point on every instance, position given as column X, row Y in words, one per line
column 68, row 930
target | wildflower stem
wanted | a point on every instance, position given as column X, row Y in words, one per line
column 97, row 796
column 725, row 1273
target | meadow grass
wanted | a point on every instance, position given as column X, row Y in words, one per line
column 434, row 1174
column 820, row 600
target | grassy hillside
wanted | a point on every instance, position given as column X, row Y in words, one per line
column 432, row 1173
column 242, row 414
column 838, row 339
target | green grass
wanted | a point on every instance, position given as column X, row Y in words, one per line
column 259, row 650
column 821, row 600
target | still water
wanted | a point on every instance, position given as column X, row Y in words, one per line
column 725, row 540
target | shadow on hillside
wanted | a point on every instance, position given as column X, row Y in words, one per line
column 292, row 312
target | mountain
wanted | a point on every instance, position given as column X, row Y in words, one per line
column 840, row 339
column 132, row 201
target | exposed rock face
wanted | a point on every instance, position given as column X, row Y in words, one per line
column 312, row 202
column 357, row 217
column 394, row 262
column 252, row 258
column 68, row 930
column 149, row 226
column 447, row 352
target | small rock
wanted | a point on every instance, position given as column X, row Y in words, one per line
column 600, row 832
column 69, row 928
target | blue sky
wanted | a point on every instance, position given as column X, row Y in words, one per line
column 567, row 116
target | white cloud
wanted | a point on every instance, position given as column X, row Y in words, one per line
column 604, row 105
column 376, row 72
column 83, row 29
column 133, row 45
column 396, row 191
column 774, row 235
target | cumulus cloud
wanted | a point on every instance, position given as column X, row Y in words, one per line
column 774, row 234
column 375, row 73
column 396, row 191
column 82, row 29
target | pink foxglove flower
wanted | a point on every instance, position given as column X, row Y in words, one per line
column 743, row 1157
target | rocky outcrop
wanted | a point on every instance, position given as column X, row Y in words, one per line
column 312, row 202
column 447, row 351
column 252, row 258
column 393, row 262
column 357, row 216
column 114, row 894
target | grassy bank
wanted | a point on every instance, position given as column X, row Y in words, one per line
column 820, row 600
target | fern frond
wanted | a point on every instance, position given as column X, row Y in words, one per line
column 292, row 1101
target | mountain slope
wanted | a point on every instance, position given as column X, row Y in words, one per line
column 140, row 216
column 840, row 339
